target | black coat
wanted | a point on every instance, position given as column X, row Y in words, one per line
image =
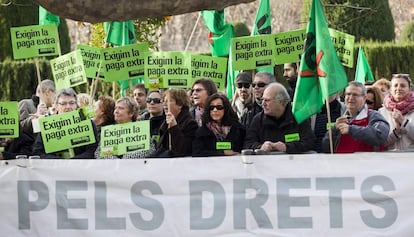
column 267, row 128
column 205, row 141
column 182, row 136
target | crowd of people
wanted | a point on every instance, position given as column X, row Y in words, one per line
column 203, row 122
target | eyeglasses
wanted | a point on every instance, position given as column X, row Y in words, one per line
column 369, row 102
column 155, row 100
column 353, row 94
column 259, row 84
column 218, row 107
column 245, row 85
column 197, row 90
column 71, row 103
column 402, row 75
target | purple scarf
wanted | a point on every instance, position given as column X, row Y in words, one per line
column 219, row 131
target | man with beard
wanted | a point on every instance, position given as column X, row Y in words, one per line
column 243, row 99
column 290, row 73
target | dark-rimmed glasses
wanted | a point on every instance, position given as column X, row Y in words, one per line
column 245, row 85
column 218, row 107
column 259, row 84
column 155, row 100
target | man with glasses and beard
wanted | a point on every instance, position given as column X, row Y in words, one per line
column 243, row 99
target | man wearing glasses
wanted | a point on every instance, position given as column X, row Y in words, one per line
column 66, row 101
column 359, row 129
column 243, row 99
column 260, row 82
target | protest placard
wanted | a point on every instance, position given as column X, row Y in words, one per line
column 214, row 68
column 125, row 62
column 289, row 46
column 9, row 119
column 68, row 70
column 124, row 138
column 167, row 70
column 68, row 130
column 92, row 58
column 252, row 52
column 344, row 45
column 34, row 41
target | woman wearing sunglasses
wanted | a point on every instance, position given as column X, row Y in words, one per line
column 221, row 133
column 374, row 98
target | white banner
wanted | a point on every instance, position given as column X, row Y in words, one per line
column 363, row 194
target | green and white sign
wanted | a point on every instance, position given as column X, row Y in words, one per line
column 125, row 62
column 167, row 70
column 68, row 130
column 124, row 138
column 252, row 52
column 344, row 45
column 68, row 70
column 214, row 68
column 92, row 58
column 34, row 41
column 9, row 119
column 289, row 46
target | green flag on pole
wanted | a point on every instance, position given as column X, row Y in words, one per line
column 220, row 36
column 321, row 74
column 263, row 25
column 47, row 18
column 363, row 70
column 220, row 32
column 120, row 33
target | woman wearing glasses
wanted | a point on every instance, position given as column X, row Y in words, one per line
column 398, row 111
column 374, row 98
column 201, row 89
column 221, row 132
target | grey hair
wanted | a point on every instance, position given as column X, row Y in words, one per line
column 66, row 92
column 269, row 77
column 280, row 92
column 46, row 85
column 360, row 85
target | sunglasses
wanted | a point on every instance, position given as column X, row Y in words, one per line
column 259, row 84
column 155, row 100
column 196, row 90
column 369, row 102
column 245, row 85
column 218, row 107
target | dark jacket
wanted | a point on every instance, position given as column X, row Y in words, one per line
column 251, row 110
column 205, row 141
column 182, row 136
column 267, row 128
column 82, row 152
column 21, row 145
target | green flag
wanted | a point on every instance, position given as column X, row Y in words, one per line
column 263, row 22
column 220, row 34
column 321, row 74
column 120, row 33
column 363, row 71
column 263, row 25
column 47, row 18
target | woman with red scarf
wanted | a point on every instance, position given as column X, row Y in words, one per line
column 398, row 111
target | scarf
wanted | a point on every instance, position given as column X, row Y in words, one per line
column 404, row 106
column 219, row 131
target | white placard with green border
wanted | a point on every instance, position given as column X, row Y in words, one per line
column 68, row 130
column 9, row 119
column 252, row 52
column 214, row 68
column 344, row 45
column 124, row 138
column 68, row 70
column 34, row 41
column 125, row 62
column 167, row 70
column 92, row 58
column 289, row 46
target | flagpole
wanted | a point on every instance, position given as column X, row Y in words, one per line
column 328, row 114
column 36, row 61
column 192, row 32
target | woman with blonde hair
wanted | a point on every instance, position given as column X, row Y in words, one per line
column 398, row 110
